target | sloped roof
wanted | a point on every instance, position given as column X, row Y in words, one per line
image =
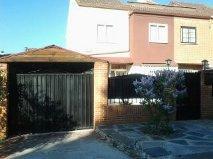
column 50, row 53
column 108, row 4
column 117, row 60
column 170, row 10
column 198, row 7
column 150, row 8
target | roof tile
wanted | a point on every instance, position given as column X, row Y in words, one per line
column 173, row 9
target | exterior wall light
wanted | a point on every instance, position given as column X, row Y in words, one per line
column 168, row 63
column 205, row 64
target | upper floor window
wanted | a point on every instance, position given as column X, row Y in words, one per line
column 105, row 33
column 158, row 33
column 188, row 35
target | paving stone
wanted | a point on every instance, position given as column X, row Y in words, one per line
column 206, row 132
column 108, row 131
column 126, row 129
column 209, row 137
column 125, row 140
column 135, row 125
column 190, row 137
column 177, row 149
column 156, row 152
column 180, row 128
column 181, row 142
column 134, row 135
column 104, row 127
column 196, row 134
column 151, row 144
column 176, row 135
column 195, row 138
column 157, row 138
column 203, row 143
column 206, row 155
column 121, row 126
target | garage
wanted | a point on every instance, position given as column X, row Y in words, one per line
column 51, row 89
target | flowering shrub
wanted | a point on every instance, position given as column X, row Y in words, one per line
column 159, row 95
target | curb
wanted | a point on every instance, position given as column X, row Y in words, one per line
column 45, row 134
column 117, row 144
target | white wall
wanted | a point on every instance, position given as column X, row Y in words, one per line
column 82, row 29
column 148, row 70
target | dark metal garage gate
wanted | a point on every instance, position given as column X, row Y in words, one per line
column 49, row 89
column 45, row 97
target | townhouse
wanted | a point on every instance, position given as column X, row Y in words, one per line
column 142, row 36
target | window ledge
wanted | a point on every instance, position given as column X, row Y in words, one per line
column 106, row 42
column 158, row 42
column 189, row 43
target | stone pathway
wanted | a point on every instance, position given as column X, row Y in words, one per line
column 81, row 144
column 192, row 139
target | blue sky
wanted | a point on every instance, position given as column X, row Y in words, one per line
column 37, row 23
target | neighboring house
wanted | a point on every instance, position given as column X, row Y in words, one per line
column 97, row 30
column 193, row 37
column 138, row 37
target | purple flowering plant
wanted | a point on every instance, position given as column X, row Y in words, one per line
column 160, row 94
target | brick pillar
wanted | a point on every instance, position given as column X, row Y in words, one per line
column 101, row 71
column 206, row 99
column 3, row 104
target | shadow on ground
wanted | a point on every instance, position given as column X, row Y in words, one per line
column 78, row 144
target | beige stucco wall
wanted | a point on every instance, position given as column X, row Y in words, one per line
column 188, row 53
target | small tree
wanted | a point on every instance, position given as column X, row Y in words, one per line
column 159, row 95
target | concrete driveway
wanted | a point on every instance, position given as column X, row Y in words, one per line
column 81, row 144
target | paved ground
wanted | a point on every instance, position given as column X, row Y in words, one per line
column 191, row 140
column 81, row 144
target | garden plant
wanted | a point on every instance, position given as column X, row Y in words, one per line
column 160, row 94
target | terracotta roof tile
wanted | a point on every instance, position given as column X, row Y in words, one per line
column 108, row 4
column 117, row 60
column 50, row 53
column 147, row 8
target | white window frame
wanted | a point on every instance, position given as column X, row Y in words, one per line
column 99, row 38
column 158, row 40
column 106, row 38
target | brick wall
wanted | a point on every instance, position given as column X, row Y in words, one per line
column 3, row 108
column 122, row 114
column 206, row 99
column 101, row 72
column 112, row 114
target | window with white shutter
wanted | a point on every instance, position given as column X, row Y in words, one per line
column 101, row 33
column 105, row 33
column 158, row 33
